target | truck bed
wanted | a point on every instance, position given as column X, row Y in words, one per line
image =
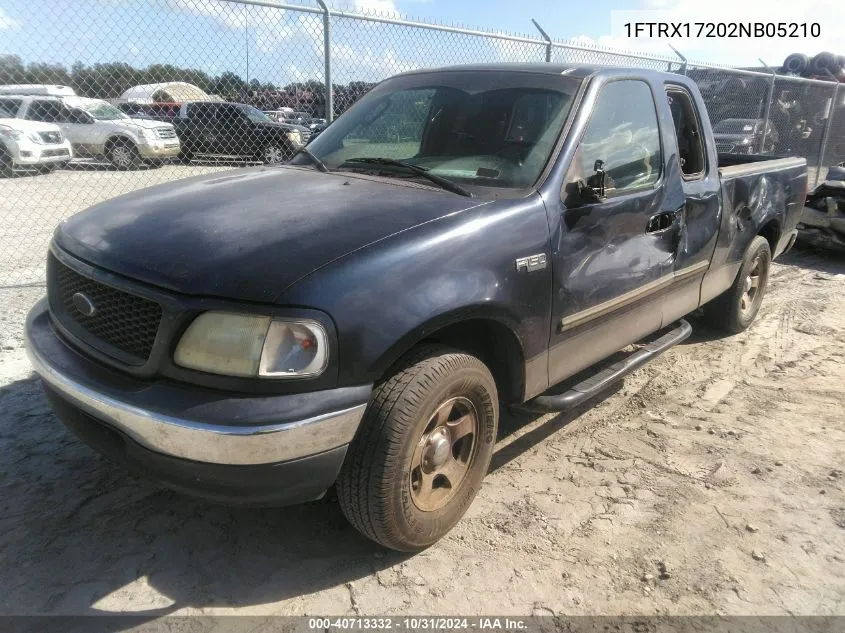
column 761, row 195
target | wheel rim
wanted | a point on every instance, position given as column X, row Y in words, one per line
column 273, row 154
column 443, row 455
column 122, row 156
column 751, row 290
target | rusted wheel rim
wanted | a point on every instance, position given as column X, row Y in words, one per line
column 443, row 455
column 751, row 291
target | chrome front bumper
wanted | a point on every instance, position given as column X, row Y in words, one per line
column 189, row 422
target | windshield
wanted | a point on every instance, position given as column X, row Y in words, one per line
column 255, row 115
column 103, row 111
column 735, row 126
column 485, row 128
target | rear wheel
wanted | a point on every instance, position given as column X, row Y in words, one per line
column 124, row 155
column 423, row 449
column 734, row 310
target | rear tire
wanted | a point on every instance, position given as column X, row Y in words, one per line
column 423, row 448
column 735, row 309
column 124, row 155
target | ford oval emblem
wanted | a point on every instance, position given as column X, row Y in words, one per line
column 84, row 305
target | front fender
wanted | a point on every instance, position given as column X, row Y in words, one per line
column 388, row 296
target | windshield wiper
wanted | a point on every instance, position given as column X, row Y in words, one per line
column 317, row 162
column 448, row 185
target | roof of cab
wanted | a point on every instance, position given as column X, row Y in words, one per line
column 568, row 70
column 539, row 67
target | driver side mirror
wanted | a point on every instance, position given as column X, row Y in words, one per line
column 593, row 190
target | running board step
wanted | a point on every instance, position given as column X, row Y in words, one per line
column 597, row 383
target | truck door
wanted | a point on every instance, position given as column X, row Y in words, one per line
column 698, row 179
column 232, row 131
column 198, row 130
column 614, row 254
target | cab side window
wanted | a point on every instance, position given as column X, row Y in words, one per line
column 624, row 135
column 687, row 132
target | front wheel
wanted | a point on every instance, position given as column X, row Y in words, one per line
column 275, row 153
column 7, row 165
column 124, row 155
column 734, row 310
column 423, row 449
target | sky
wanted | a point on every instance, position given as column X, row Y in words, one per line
column 284, row 45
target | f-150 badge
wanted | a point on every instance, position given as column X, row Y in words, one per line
column 531, row 263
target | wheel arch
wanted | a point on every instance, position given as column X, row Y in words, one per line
column 490, row 335
column 771, row 231
column 118, row 138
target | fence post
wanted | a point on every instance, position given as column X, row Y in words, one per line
column 547, row 38
column 768, row 111
column 827, row 126
column 327, row 55
column 683, row 59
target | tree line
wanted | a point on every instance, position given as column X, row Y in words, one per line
column 111, row 79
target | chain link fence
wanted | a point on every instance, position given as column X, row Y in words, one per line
column 110, row 96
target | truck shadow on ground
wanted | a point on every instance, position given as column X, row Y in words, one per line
column 82, row 536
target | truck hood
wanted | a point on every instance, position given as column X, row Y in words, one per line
column 248, row 234
column 29, row 126
column 134, row 124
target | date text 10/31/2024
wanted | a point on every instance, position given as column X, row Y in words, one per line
column 418, row 623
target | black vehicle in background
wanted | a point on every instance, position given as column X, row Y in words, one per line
column 234, row 130
column 744, row 136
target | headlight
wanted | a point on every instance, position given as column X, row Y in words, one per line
column 8, row 132
column 33, row 136
column 294, row 137
column 150, row 135
column 245, row 345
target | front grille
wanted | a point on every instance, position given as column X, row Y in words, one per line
column 724, row 148
column 55, row 152
column 166, row 132
column 51, row 137
column 121, row 321
column 305, row 135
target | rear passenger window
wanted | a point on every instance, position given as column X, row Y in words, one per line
column 688, row 133
column 624, row 135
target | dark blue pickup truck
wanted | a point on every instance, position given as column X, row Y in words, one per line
column 459, row 240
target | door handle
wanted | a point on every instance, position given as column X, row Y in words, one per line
column 664, row 220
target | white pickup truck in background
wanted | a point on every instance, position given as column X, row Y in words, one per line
column 97, row 129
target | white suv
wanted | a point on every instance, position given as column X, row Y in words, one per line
column 96, row 128
column 30, row 144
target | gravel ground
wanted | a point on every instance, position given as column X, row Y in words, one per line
column 709, row 482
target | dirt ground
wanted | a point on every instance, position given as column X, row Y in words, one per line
column 709, row 482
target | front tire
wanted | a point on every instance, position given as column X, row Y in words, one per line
column 736, row 308
column 124, row 155
column 275, row 153
column 7, row 165
column 423, row 449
